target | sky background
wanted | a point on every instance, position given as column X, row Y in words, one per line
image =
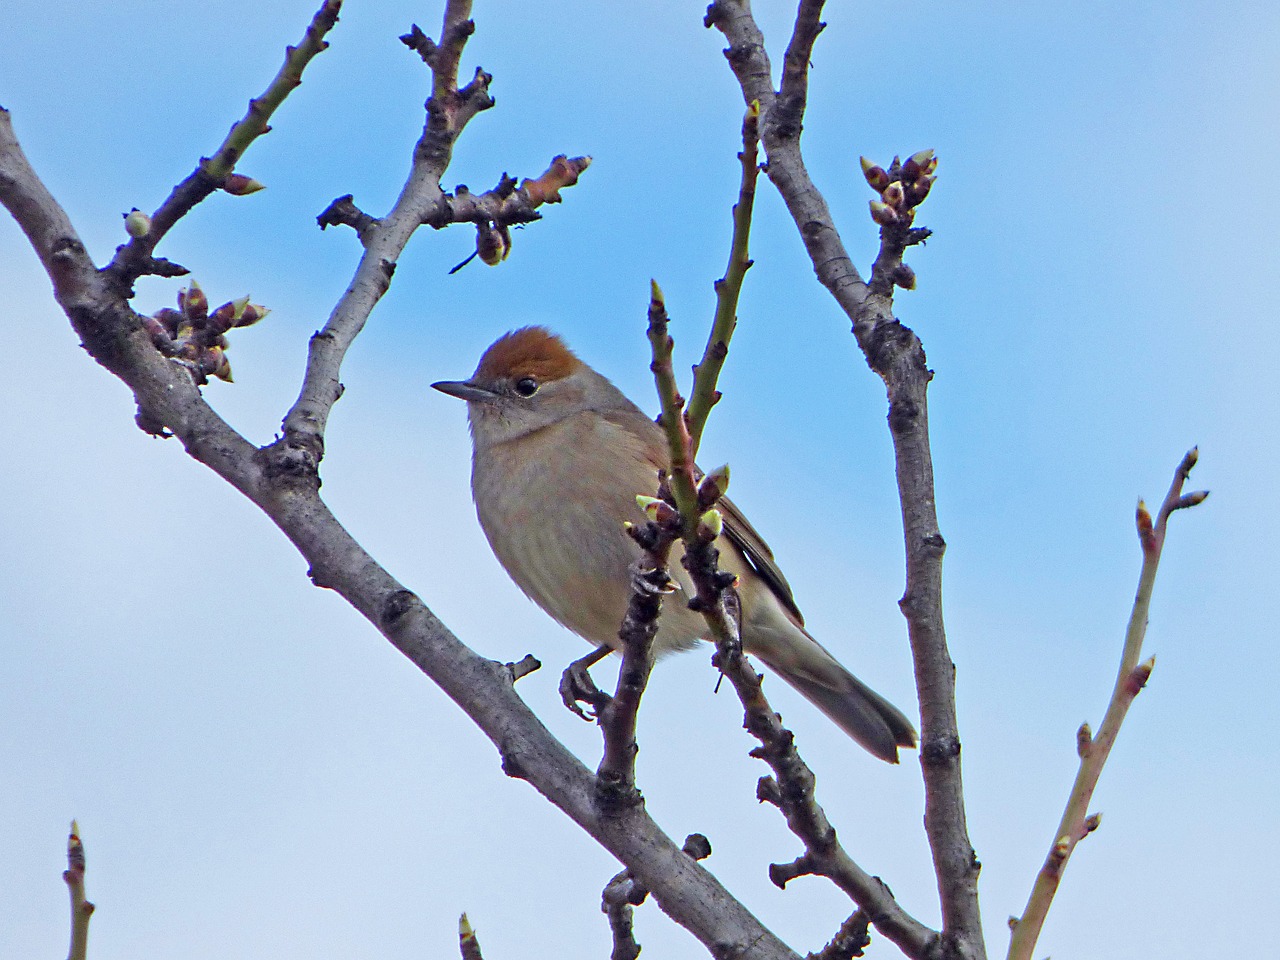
column 258, row 774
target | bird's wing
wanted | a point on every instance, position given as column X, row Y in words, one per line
column 736, row 526
column 744, row 536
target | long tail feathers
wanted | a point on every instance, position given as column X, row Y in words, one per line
column 859, row 711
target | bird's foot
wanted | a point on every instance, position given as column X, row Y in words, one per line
column 578, row 689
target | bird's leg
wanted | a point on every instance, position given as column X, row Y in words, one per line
column 576, row 685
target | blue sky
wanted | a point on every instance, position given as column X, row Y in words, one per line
column 258, row 774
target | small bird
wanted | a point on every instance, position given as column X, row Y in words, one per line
column 559, row 455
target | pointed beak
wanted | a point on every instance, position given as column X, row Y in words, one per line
column 465, row 390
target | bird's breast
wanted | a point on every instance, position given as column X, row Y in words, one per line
column 552, row 504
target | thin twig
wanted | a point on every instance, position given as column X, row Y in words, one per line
column 132, row 259
column 301, row 447
column 729, row 287
column 81, row 909
column 621, row 895
column 650, row 582
column 791, row 788
column 1132, row 676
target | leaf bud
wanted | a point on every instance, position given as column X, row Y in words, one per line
column 238, row 185
column 156, row 330
column 883, row 214
column 893, row 194
column 656, row 510
column 137, row 224
column 710, row 525
column 919, row 188
column 1084, row 739
column 192, row 302
column 877, row 177
column 170, row 318
column 713, row 486
column 251, row 314
column 493, row 243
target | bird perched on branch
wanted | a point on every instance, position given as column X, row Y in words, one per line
column 559, row 455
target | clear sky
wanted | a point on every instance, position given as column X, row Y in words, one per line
column 259, row 775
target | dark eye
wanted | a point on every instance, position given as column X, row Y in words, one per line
column 526, row 386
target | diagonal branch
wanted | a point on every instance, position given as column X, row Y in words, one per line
column 135, row 258
column 1076, row 823
column 792, row 786
column 166, row 393
column 301, row 448
column 896, row 354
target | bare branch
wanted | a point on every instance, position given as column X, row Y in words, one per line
column 284, row 487
column 729, row 287
column 793, row 789
column 134, row 258
column 422, row 200
column 1076, row 822
column 895, row 353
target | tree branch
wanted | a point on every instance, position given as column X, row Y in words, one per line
column 792, row 788
column 729, row 287
column 134, row 258
column 286, row 490
column 1076, row 824
column 896, row 354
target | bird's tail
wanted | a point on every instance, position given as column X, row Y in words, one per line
column 875, row 723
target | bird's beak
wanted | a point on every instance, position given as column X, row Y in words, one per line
column 465, row 390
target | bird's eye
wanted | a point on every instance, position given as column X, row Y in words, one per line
column 526, row 386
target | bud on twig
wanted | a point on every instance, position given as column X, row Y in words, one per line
column 893, row 194
column 238, row 185
column 1146, row 532
column 493, row 242
column 1140, row 675
column 916, row 164
column 656, row 510
column 710, row 525
column 192, row 302
column 1084, row 739
column 713, row 486
column 918, row 189
column 883, row 214
column 137, row 224
column 877, row 177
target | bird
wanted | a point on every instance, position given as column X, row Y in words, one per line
column 559, row 455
